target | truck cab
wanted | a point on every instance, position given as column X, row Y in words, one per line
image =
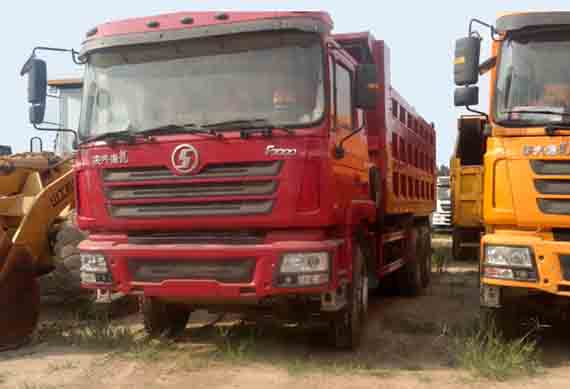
column 243, row 162
column 525, row 202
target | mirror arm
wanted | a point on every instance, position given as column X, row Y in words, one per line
column 339, row 149
column 467, row 107
column 74, row 56
column 68, row 130
column 495, row 34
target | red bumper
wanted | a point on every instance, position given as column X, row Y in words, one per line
column 121, row 256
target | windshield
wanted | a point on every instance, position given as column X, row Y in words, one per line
column 277, row 77
column 533, row 82
column 443, row 193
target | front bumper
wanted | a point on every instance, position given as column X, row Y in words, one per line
column 547, row 256
column 122, row 256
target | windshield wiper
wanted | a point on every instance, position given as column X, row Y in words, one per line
column 127, row 135
column 248, row 127
column 539, row 111
column 180, row 129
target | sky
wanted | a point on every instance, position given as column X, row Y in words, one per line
column 420, row 34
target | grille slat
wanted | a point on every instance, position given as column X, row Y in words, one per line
column 199, row 237
column 550, row 168
column 235, row 208
column 158, row 270
column 194, row 190
column 565, row 266
column 554, row 206
column 137, row 184
column 252, row 169
column 552, row 187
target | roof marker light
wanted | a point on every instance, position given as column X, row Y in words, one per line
column 187, row 20
column 153, row 24
column 91, row 32
column 222, row 16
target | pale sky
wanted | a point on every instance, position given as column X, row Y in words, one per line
column 419, row 33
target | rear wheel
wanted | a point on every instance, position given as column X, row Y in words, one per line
column 162, row 318
column 347, row 327
column 425, row 255
column 410, row 279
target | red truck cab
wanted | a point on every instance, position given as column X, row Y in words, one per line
column 237, row 162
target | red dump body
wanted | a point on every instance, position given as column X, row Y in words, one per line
column 207, row 222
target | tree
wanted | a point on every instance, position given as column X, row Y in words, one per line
column 443, row 171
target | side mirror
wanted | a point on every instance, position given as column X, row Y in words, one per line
column 37, row 114
column 366, row 87
column 36, row 69
column 466, row 96
column 466, row 63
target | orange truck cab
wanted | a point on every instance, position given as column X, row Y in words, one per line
column 521, row 167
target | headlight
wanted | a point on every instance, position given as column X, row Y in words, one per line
column 93, row 263
column 520, row 257
column 296, row 263
column 304, row 270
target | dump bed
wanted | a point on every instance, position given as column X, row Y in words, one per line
column 401, row 143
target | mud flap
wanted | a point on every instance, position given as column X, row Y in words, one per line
column 19, row 296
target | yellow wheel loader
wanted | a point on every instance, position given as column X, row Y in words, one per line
column 36, row 197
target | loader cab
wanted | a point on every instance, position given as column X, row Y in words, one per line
column 68, row 92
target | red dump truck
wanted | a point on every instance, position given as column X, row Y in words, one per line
column 247, row 162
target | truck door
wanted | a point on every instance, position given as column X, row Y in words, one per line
column 351, row 170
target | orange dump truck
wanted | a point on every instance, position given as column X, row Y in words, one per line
column 513, row 175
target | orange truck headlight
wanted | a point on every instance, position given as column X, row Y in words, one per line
column 509, row 263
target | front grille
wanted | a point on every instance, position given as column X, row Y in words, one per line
column 159, row 270
column 555, row 186
column 565, row 267
column 234, row 208
column 151, row 192
column 198, row 237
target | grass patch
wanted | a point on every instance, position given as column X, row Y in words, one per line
column 485, row 352
column 440, row 258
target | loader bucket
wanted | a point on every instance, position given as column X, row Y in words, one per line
column 19, row 295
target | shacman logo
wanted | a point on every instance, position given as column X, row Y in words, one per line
column 562, row 149
column 185, row 158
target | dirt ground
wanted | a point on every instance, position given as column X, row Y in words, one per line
column 407, row 345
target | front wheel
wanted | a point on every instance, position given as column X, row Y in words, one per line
column 347, row 327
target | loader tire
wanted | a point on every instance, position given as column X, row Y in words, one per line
column 63, row 284
column 162, row 318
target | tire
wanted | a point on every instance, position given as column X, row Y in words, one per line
column 347, row 327
column 63, row 284
column 426, row 256
column 164, row 319
column 410, row 281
